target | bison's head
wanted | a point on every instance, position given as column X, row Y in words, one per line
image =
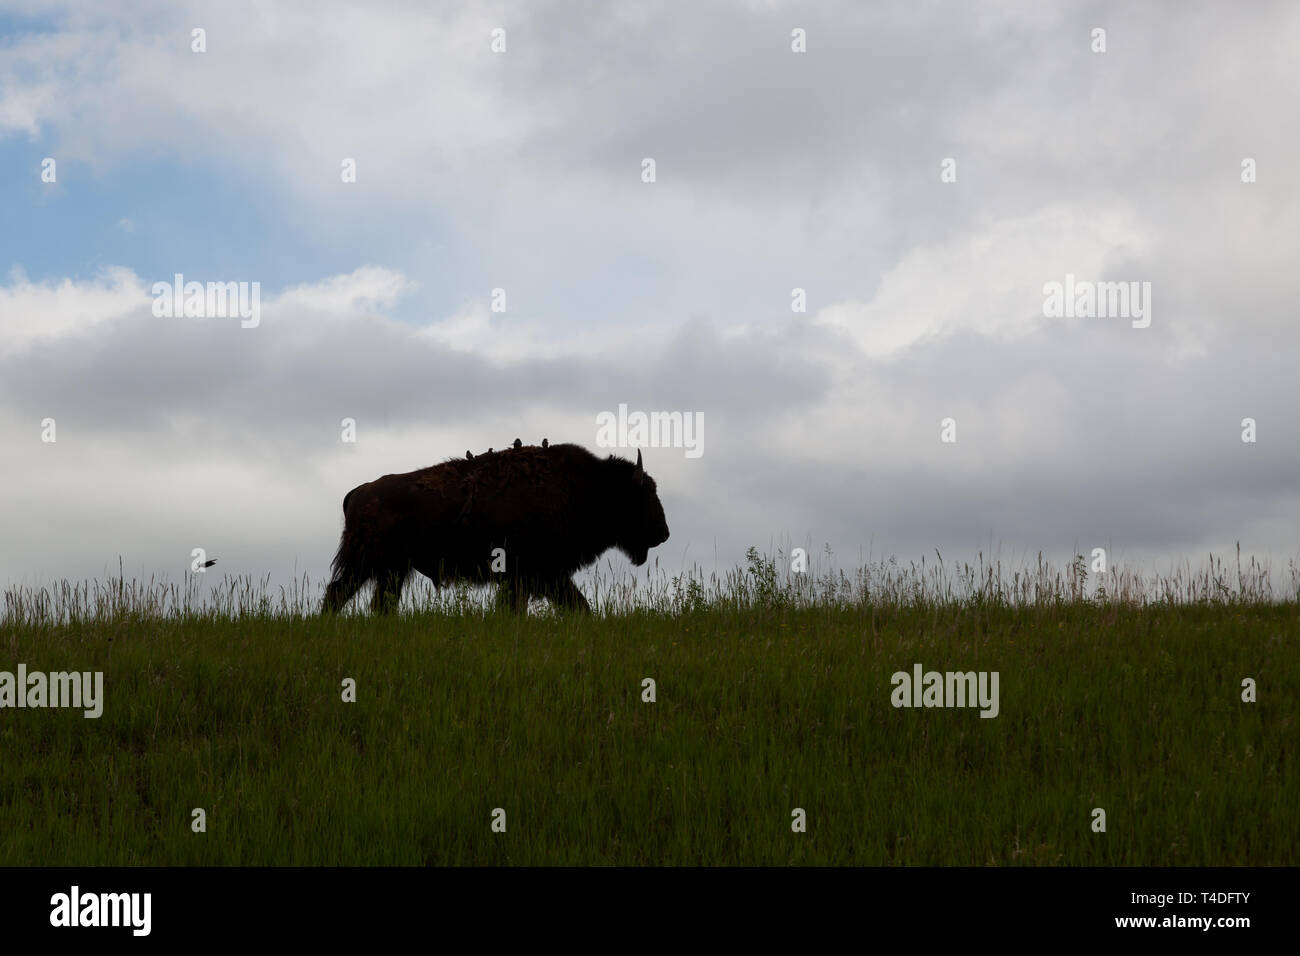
column 644, row 525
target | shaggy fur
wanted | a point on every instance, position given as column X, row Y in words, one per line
column 552, row 509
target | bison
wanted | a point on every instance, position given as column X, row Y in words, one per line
column 551, row 510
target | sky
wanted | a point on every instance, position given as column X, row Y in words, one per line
column 922, row 172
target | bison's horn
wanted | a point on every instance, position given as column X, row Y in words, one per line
column 638, row 460
column 543, row 442
column 518, row 443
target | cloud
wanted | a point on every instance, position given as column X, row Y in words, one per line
column 776, row 170
column 35, row 314
column 368, row 289
column 987, row 281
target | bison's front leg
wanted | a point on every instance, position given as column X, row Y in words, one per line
column 566, row 593
column 513, row 595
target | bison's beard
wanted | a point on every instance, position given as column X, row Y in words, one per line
column 637, row 556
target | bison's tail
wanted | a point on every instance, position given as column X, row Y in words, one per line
column 343, row 558
column 349, row 564
column 340, row 562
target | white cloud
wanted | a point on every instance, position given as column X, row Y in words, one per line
column 988, row 281
column 33, row 313
column 367, row 289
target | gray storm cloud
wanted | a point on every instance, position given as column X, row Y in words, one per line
column 776, row 171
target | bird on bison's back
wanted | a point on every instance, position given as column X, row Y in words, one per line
column 552, row 510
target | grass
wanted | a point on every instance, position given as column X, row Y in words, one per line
column 773, row 693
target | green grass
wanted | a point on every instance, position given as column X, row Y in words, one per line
column 771, row 696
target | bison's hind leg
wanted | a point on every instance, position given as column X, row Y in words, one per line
column 388, row 590
column 338, row 592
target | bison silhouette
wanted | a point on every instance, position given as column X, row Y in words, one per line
column 550, row 510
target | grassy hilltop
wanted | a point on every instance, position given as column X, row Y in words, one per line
column 772, row 695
